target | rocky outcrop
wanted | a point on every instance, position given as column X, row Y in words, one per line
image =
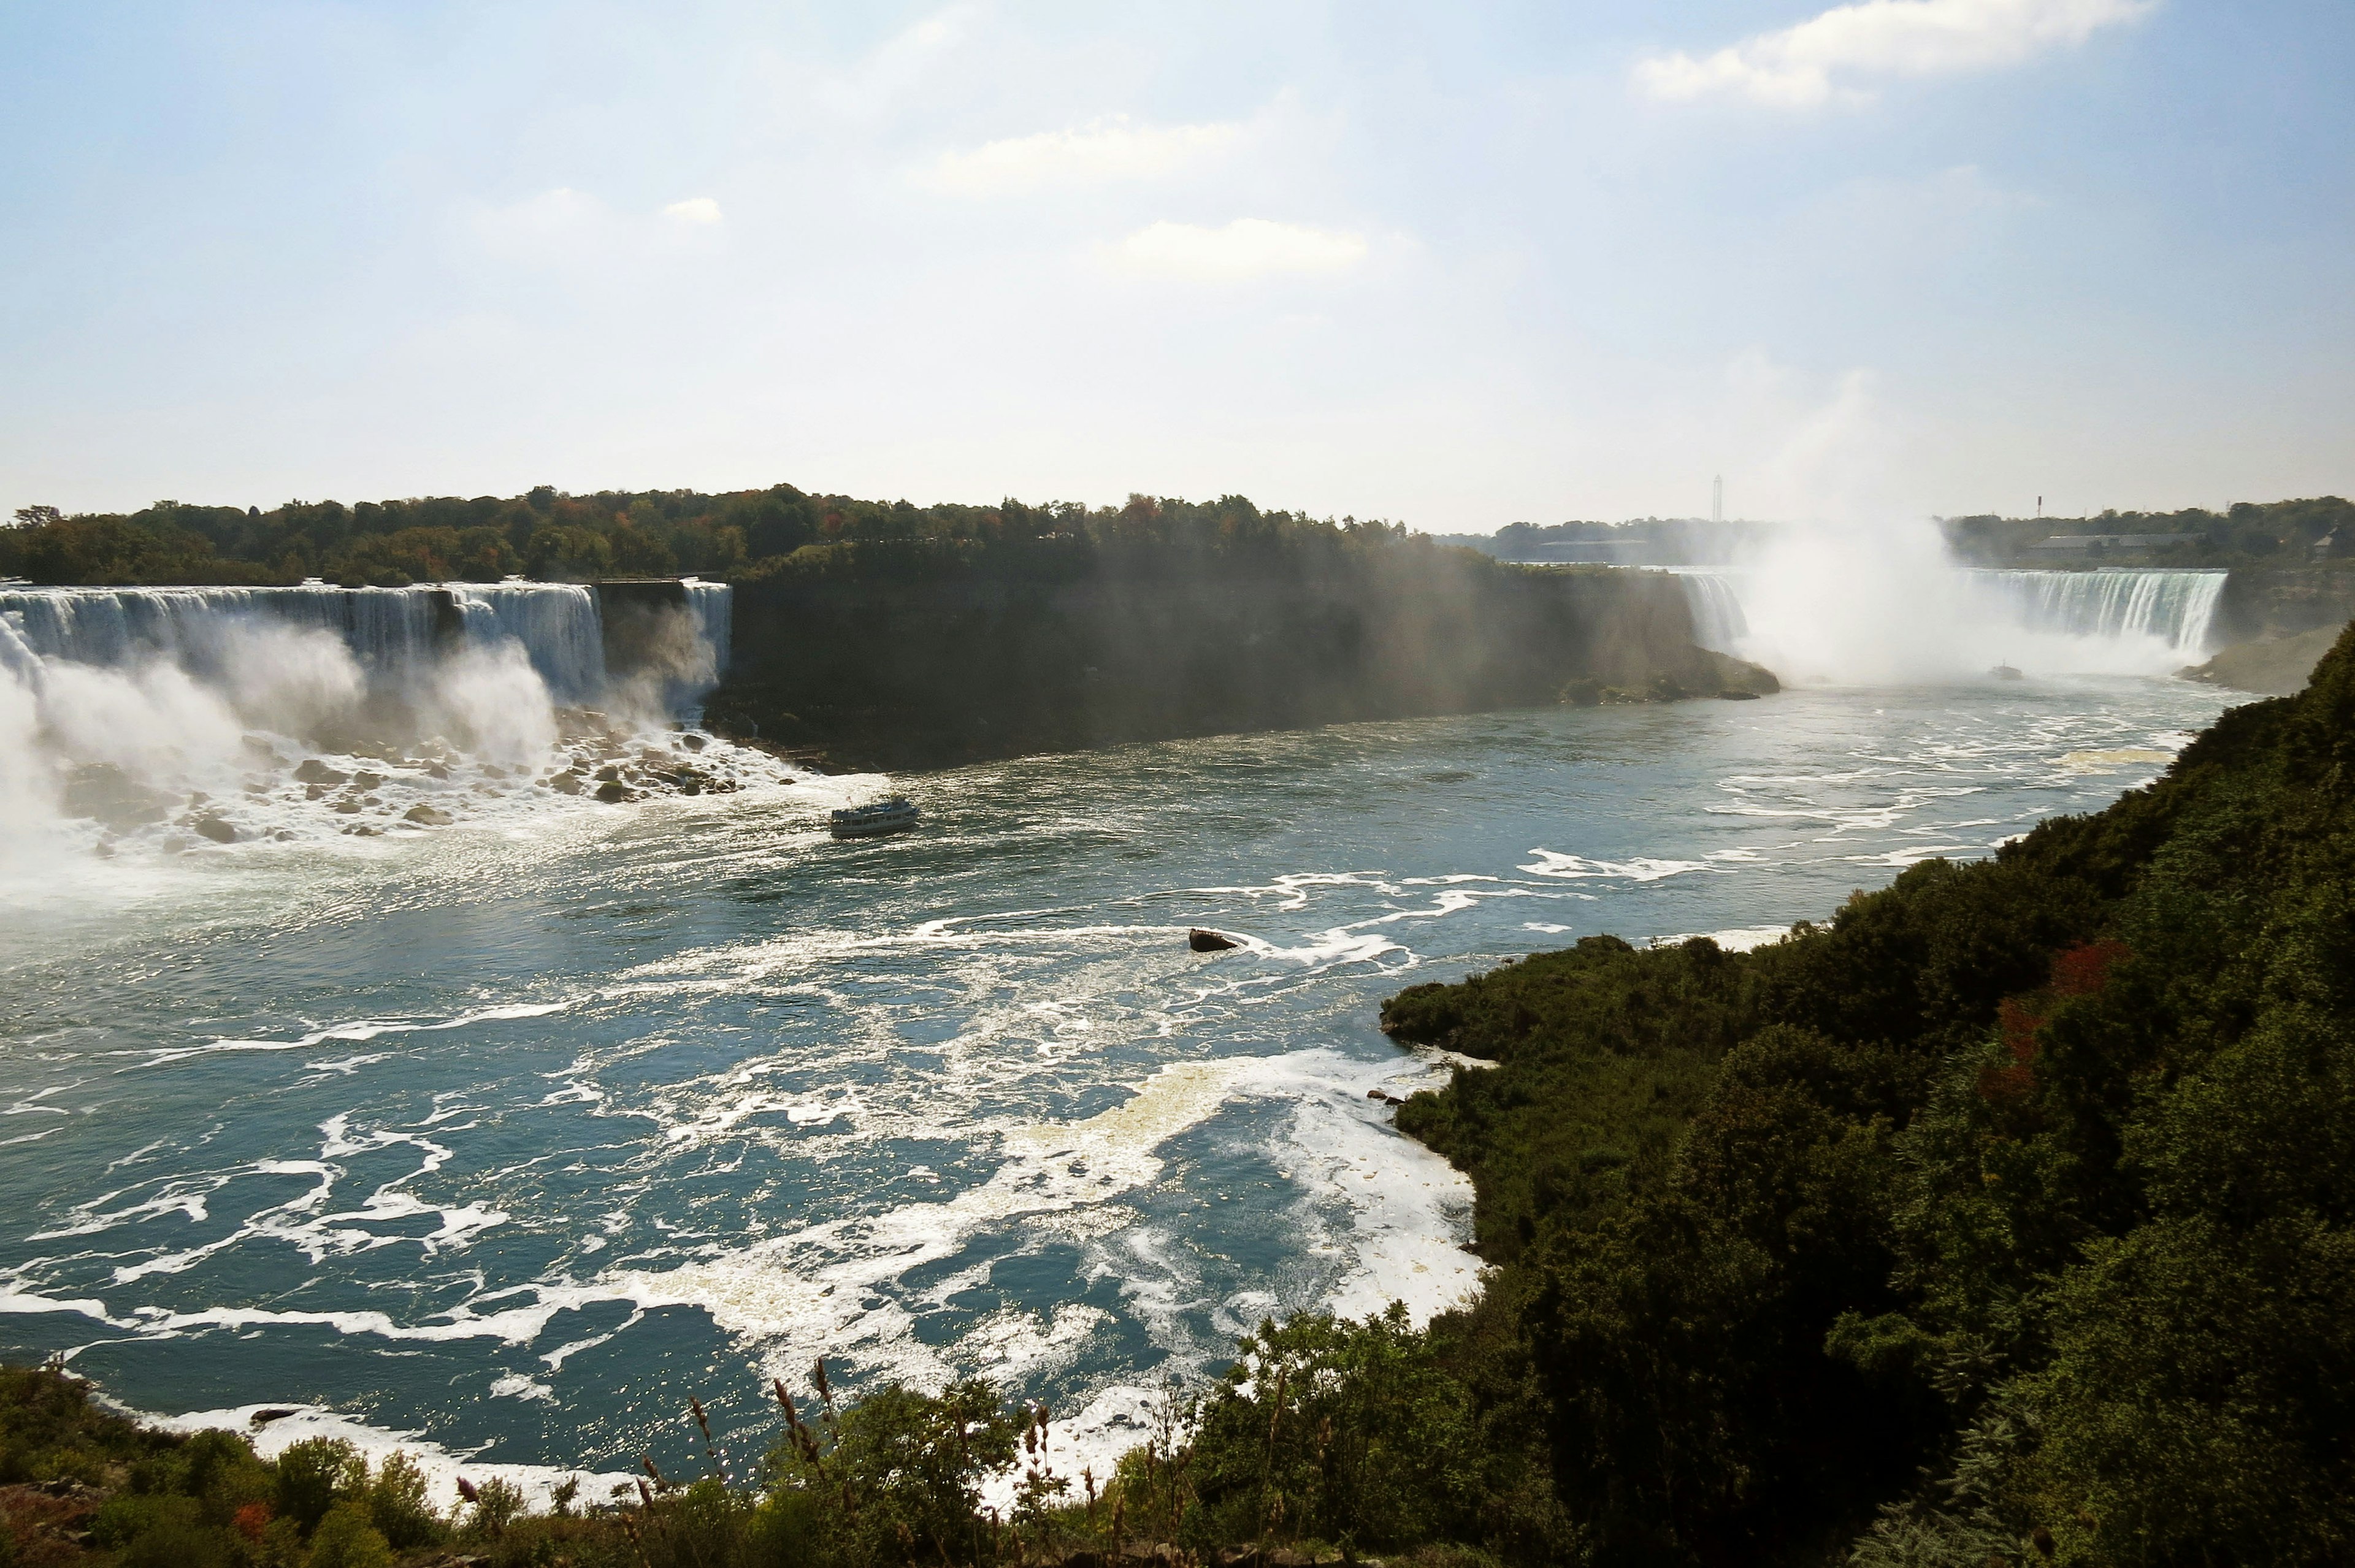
column 2278, row 666
column 2267, row 603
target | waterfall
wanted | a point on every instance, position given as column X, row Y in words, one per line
column 385, row 628
column 388, row 630
column 1859, row 606
column 2174, row 607
column 712, row 606
column 1715, row 603
column 555, row 623
column 176, row 716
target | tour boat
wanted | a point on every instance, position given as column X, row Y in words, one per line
column 896, row 814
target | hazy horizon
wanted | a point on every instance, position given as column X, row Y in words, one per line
column 1885, row 260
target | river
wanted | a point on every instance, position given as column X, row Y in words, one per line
column 504, row 1138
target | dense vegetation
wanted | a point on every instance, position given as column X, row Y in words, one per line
column 746, row 536
column 2320, row 530
column 2031, row 1178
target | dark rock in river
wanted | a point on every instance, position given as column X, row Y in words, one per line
column 1202, row 941
column 214, row 828
column 315, row 772
column 427, row 816
column 614, row 791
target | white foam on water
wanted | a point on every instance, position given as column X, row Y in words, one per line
column 819, row 1289
column 1741, row 939
column 1640, row 868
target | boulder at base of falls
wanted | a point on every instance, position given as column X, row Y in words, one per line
column 214, row 828
column 315, row 772
column 566, row 783
column 427, row 816
column 1202, row 941
column 614, row 791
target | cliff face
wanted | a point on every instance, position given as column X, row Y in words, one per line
column 2266, row 602
column 935, row 672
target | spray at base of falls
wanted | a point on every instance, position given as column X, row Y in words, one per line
column 178, row 718
column 1840, row 607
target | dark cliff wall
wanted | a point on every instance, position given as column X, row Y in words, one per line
column 2261, row 601
column 927, row 674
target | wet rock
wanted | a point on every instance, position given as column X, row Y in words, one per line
column 315, row 792
column 692, row 742
column 315, row 772
column 436, row 771
column 367, row 781
column 348, row 808
column 103, row 793
column 214, row 828
column 264, row 1417
column 1386, row 1097
column 427, row 816
column 566, row 783
column 1202, row 941
column 613, row 791
column 608, row 772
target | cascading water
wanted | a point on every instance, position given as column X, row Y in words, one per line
column 712, row 607
column 1857, row 607
column 556, row 624
column 1719, row 623
column 385, row 628
column 178, row 717
column 2173, row 607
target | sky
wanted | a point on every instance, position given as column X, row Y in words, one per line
column 1457, row 265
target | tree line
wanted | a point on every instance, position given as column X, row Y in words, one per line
column 749, row 536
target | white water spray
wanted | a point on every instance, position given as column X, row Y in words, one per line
column 1878, row 606
column 183, row 717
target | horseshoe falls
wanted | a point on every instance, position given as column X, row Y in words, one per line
column 1858, row 619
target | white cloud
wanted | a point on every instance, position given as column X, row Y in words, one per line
column 1827, row 56
column 695, row 209
column 1246, row 248
column 1096, row 152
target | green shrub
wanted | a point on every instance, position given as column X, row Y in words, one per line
column 316, row 1474
column 346, row 1539
column 398, row 1506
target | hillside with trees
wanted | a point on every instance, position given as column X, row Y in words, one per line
column 2320, row 530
